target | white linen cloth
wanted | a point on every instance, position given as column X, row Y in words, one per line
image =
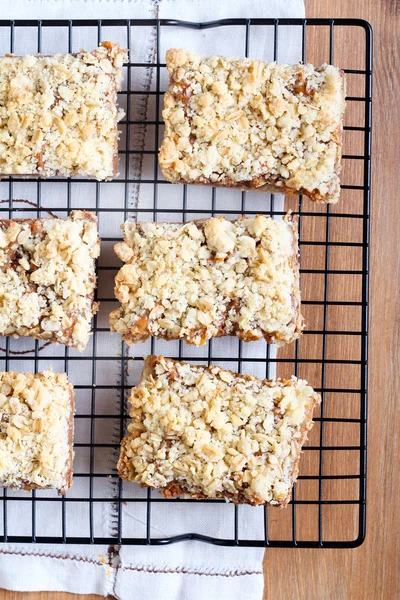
column 187, row 570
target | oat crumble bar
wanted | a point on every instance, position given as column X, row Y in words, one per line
column 210, row 433
column 253, row 125
column 36, row 430
column 58, row 114
column 47, row 277
column 208, row 278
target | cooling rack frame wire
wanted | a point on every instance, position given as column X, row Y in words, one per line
column 327, row 217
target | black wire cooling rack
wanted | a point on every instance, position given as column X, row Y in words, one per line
column 328, row 506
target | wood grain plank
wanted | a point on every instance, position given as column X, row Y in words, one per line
column 371, row 571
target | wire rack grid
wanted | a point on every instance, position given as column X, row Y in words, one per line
column 328, row 505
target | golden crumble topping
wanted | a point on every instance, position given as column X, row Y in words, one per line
column 47, row 277
column 253, row 125
column 36, row 430
column 58, row 114
column 211, row 433
column 209, row 278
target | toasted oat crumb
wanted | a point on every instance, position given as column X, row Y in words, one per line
column 58, row 114
column 211, row 433
column 253, row 125
column 47, row 277
column 208, row 278
column 36, row 430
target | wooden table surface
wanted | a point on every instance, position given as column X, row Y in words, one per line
column 371, row 571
